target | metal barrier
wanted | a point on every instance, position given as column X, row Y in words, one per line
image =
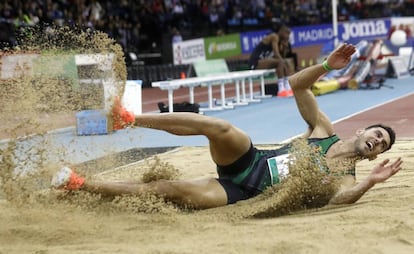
column 152, row 73
column 160, row 72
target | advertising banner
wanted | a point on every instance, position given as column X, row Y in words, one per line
column 187, row 52
column 367, row 29
column 352, row 32
column 310, row 35
column 12, row 66
column 249, row 40
column 235, row 44
column 222, row 46
column 405, row 23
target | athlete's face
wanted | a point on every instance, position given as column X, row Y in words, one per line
column 284, row 33
column 371, row 142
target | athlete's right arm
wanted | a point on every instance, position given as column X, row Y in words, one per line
column 275, row 46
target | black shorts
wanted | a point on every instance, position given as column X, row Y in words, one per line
column 236, row 192
column 253, row 62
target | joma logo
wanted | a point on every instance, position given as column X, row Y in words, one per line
column 362, row 29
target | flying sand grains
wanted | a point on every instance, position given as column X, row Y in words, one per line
column 44, row 83
column 159, row 170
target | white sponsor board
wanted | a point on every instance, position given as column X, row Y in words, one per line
column 406, row 22
column 187, row 52
column 16, row 65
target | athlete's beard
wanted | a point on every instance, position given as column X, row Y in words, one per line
column 359, row 147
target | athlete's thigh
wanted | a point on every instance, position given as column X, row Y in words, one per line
column 230, row 146
column 200, row 193
column 267, row 63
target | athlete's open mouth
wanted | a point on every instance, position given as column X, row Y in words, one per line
column 370, row 145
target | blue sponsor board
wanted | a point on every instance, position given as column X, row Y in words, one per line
column 310, row 35
column 368, row 29
column 351, row 32
column 249, row 40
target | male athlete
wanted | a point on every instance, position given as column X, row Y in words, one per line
column 245, row 171
column 271, row 53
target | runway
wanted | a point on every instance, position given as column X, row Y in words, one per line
column 271, row 121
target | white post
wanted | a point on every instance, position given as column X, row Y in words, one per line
column 191, row 93
column 335, row 22
column 170, row 100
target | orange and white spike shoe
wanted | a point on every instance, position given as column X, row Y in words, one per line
column 120, row 116
column 288, row 89
column 283, row 93
column 67, row 179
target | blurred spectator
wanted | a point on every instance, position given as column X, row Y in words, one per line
column 214, row 22
column 135, row 36
column 175, row 35
column 95, row 11
column 270, row 53
column 220, row 32
column 178, row 14
column 7, row 38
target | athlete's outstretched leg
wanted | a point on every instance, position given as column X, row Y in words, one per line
column 204, row 193
column 201, row 194
column 227, row 142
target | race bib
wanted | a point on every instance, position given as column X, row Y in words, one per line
column 278, row 167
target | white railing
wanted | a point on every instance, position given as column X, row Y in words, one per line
column 238, row 78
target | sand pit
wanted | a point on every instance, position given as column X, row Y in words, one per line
column 380, row 222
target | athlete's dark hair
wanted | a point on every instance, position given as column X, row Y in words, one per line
column 277, row 25
column 388, row 129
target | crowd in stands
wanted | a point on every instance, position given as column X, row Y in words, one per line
column 140, row 25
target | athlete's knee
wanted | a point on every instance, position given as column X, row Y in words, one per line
column 168, row 188
column 178, row 192
column 161, row 187
column 293, row 82
column 221, row 127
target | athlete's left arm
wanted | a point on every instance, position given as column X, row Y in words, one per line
column 302, row 82
column 380, row 173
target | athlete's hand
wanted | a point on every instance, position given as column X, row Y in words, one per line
column 382, row 171
column 341, row 56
